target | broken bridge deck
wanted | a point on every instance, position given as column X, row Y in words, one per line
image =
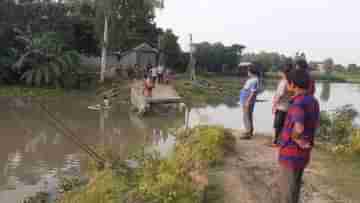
column 161, row 94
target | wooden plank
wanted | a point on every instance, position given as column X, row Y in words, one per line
column 163, row 100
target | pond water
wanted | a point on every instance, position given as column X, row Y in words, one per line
column 329, row 95
column 33, row 153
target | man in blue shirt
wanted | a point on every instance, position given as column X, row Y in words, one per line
column 247, row 100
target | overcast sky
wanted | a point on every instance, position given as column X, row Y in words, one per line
column 320, row 28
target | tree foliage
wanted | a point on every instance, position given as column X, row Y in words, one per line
column 131, row 22
column 328, row 65
column 37, row 39
column 215, row 57
column 269, row 61
column 353, row 68
column 44, row 59
column 170, row 49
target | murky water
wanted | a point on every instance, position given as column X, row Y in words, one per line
column 33, row 154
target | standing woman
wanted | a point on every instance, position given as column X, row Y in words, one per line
column 248, row 96
column 281, row 103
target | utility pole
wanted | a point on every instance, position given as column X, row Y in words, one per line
column 104, row 49
column 159, row 50
column 192, row 61
column 191, row 48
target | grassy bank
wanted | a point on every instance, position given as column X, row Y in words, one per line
column 182, row 177
column 209, row 90
column 21, row 91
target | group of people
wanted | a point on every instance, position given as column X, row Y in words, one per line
column 155, row 74
column 296, row 120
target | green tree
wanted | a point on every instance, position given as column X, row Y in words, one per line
column 353, row 68
column 215, row 57
column 118, row 20
column 339, row 68
column 23, row 27
column 170, row 47
column 270, row 61
column 328, row 65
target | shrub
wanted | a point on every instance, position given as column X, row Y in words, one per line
column 179, row 178
column 338, row 129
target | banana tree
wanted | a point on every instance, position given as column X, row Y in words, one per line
column 53, row 71
column 44, row 60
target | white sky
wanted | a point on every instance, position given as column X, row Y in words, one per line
column 320, row 28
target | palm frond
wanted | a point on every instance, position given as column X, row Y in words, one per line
column 55, row 68
column 38, row 77
column 67, row 58
column 46, row 74
column 75, row 56
column 28, row 77
column 62, row 64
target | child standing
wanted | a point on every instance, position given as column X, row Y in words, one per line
column 148, row 86
column 297, row 138
column 281, row 103
column 247, row 100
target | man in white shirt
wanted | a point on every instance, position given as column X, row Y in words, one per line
column 160, row 72
column 154, row 74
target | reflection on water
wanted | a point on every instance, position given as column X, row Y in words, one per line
column 325, row 92
column 33, row 153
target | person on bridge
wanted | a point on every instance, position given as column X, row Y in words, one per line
column 148, row 86
column 297, row 138
column 154, row 74
column 160, row 72
column 167, row 76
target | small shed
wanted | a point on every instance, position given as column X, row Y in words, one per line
column 143, row 55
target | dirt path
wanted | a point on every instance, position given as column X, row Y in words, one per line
column 251, row 173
